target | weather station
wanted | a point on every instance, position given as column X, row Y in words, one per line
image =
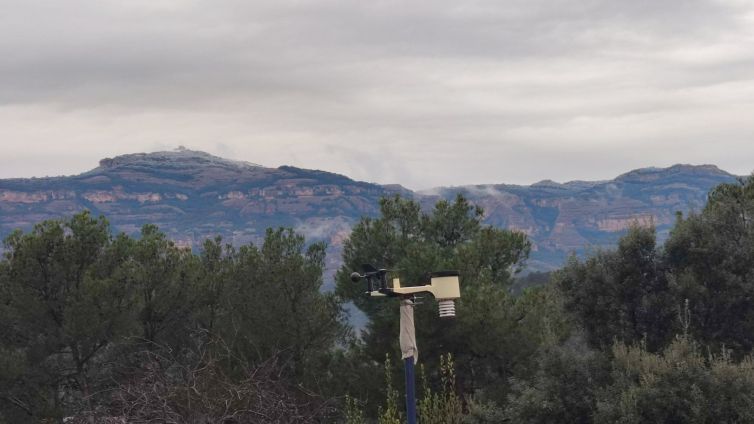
column 444, row 286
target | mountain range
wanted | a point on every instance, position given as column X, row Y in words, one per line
column 192, row 196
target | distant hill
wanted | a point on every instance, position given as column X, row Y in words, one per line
column 585, row 215
column 193, row 196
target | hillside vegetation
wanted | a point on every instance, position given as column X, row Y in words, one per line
column 105, row 327
column 193, row 196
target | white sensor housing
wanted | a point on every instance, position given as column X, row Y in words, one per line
column 444, row 286
column 447, row 308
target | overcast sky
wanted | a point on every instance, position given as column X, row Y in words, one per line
column 422, row 93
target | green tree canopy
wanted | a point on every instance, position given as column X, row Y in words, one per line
column 622, row 294
column 711, row 257
column 81, row 309
column 492, row 331
column 682, row 384
column 62, row 306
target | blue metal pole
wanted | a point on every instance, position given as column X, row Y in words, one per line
column 410, row 390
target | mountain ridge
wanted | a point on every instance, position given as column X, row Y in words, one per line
column 638, row 171
column 193, row 195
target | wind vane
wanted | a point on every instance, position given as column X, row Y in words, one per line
column 445, row 288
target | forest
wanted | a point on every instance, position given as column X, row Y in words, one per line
column 98, row 327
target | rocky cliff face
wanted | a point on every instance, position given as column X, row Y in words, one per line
column 193, row 196
column 579, row 216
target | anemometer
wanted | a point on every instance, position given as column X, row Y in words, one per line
column 445, row 288
column 443, row 285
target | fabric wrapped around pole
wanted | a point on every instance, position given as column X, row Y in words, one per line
column 408, row 332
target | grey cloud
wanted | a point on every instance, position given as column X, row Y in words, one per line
column 446, row 92
column 94, row 50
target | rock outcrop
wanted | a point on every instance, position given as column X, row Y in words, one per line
column 193, row 196
column 578, row 216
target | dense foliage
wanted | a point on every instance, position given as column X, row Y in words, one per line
column 96, row 325
column 675, row 322
column 494, row 334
